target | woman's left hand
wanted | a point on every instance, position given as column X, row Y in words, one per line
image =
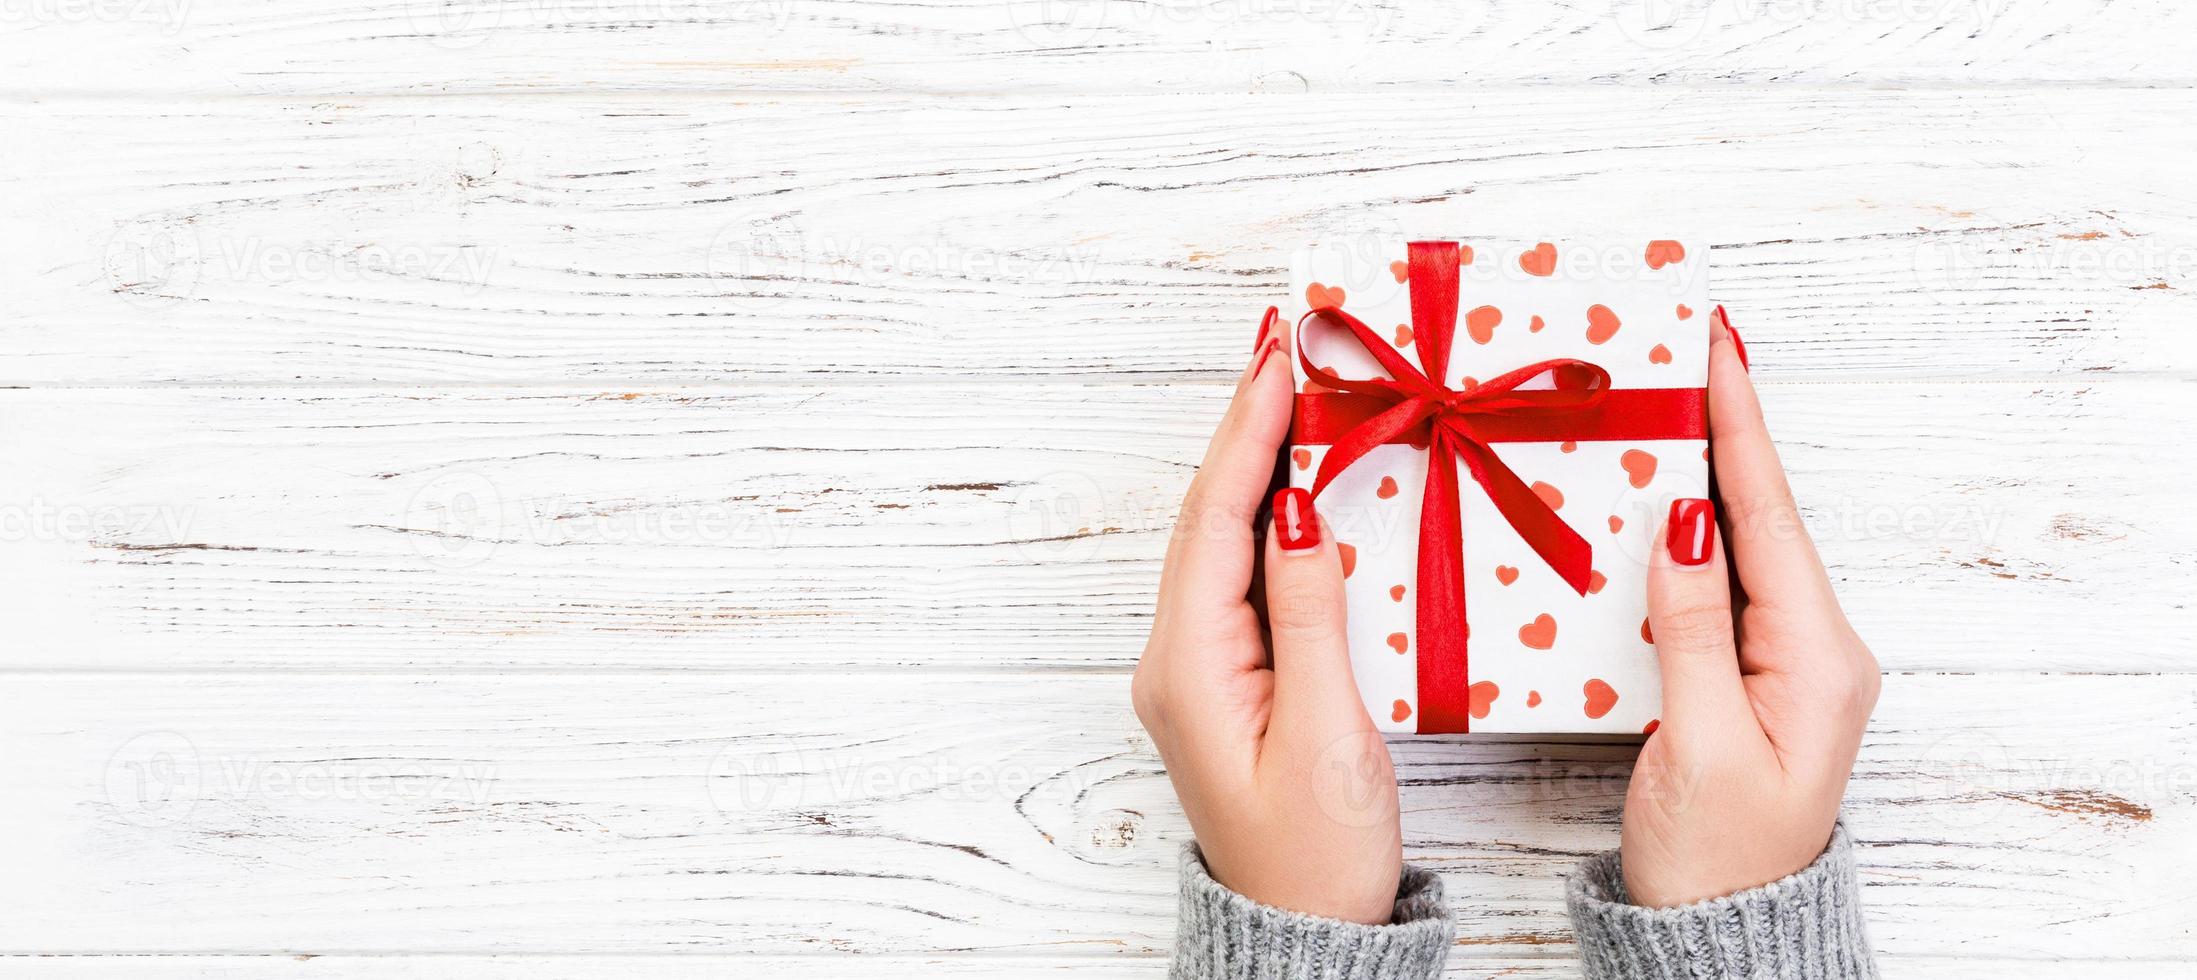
column 1287, row 784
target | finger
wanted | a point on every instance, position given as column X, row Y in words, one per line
column 1777, row 563
column 1690, row 619
column 1210, row 556
column 1314, row 695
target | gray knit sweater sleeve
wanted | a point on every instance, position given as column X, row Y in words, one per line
column 1805, row 926
column 1225, row 936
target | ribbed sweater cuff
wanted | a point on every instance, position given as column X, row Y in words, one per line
column 1805, row 926
column 1225, row 936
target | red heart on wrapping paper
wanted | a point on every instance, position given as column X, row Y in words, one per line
column 1387, row 489
column 1639, row 468
column 1567, row 446
column 1481, row 322
column 1481, row 695
column 1400, row 712
column 1318, row 295
column 1595, row 582
column 1312, row 387
column 1533, row 699
column 1350, row 558
column 1601, row 697
column 1401, row 270
column 1534, row 325
column 1396, row 592
column 1539, row 262
column 1616, row 524
column 1403, row 335
column 1302, row 457
column 1399, row 642
column 1506, row 574
column 1662, row 252
column 1659, row 355
column 1685, row 312
column 1549, row 495
column 1539, row 634
column 1601, row 324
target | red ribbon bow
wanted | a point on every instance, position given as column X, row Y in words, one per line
column 1414, row 406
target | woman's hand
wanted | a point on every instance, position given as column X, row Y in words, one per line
column 1286, row 782
column 1763, row 709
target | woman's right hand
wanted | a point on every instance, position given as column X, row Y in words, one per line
column 1763, row 708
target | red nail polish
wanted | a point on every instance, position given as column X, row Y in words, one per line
column 1266, row 326
column 1738, row 346
column 1265, row 354
column 1693, row 531
column 1296, row 524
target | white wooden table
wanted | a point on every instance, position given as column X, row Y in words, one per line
column 672, row 488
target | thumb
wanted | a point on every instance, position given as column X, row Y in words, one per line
column 1690, row 619
column 1314, row 694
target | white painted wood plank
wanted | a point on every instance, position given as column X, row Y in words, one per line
column 699, row 966
column 2010, row 815
column 347, row 47
column 1969, row 528
column 659, row 240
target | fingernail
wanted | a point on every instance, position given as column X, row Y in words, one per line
column 1693, row 531
column 1266, row 326
column 1296, row 524
column 1738, row 346
column 1266, row 353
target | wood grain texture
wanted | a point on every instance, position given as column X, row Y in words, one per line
column 1859, row 235
column 939, row 525
column 212, row 48
column 927, row 815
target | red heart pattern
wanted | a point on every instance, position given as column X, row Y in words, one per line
column 1399, row 642
column 1534, row 325
column 1549, row 495
column 1403, row 335
column 1540, row 261
column 1302, row 457
column 1601, row 697
column 1639, row 468
column 1659, row 354
column 1506, row 574
column 1399, row 712
column 1481, row 696
column 1481, row 322
column 1539, row 634
column 1387, row 488
column 1318, row 295
column 1396, row 593
column 1602, row 324
column 1662, row 252
column 1533, row 699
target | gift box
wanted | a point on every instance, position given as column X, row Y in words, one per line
column 1494, row 433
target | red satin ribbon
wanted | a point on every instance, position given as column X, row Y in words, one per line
column 1413, row 406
